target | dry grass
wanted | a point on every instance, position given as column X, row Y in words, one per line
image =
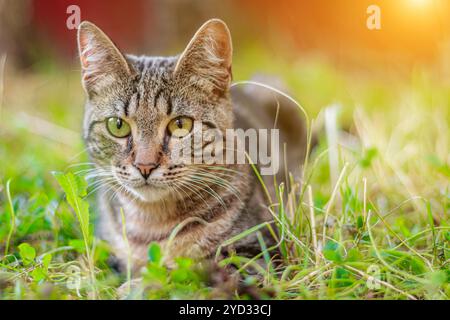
column 369, row 221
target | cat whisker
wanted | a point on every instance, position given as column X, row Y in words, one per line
column 227, row 187
column 220, row 174
column 98, row 184
column 220, row 168
column 208, row 190
column 101, row 170
column 177, row 188
column 79, row 164
column 80, row 153
column 193, row 189
column 204, row 175
column 216, row 181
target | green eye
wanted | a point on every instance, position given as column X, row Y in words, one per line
column 180, row 127
column 118, row 127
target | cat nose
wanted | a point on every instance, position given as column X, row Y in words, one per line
column 146, row 168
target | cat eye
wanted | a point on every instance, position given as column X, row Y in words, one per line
column 118, row 127
column 180, row 127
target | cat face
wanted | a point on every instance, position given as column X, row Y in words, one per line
column 141, row 111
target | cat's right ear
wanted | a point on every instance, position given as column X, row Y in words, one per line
column 206, row 61
column 101, row 62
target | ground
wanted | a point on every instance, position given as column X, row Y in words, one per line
column 379, row 178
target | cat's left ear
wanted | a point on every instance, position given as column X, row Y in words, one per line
column 206, row 60
column 101, row 62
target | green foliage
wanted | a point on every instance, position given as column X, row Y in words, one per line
column 39, row 266
column 154, row 253
column 75, row 188
column 332, row 251
column 368, row 157
column 40, row 272
column 180, row 281
column 389, row 219
column 27, row 253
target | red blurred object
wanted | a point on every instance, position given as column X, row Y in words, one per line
column 127, row 23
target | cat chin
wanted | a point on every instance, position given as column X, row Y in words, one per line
column 148, row 193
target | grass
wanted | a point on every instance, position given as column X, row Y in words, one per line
column 371, row 220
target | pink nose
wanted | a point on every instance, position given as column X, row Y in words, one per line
column 146, row 168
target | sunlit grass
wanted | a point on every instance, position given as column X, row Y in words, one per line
column 369, row 221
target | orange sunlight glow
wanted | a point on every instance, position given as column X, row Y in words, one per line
column 419, row 3
column 423, row 5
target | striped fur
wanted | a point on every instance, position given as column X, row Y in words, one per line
column 213, row 203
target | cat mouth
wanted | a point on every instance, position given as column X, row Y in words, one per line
column 149, row 192
column 146, row 185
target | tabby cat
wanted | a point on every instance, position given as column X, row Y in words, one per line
column 136, row 108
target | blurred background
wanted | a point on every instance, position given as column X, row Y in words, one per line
column 267, row 35
column 379, row 100
column 392, row 84
column 412, row 31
